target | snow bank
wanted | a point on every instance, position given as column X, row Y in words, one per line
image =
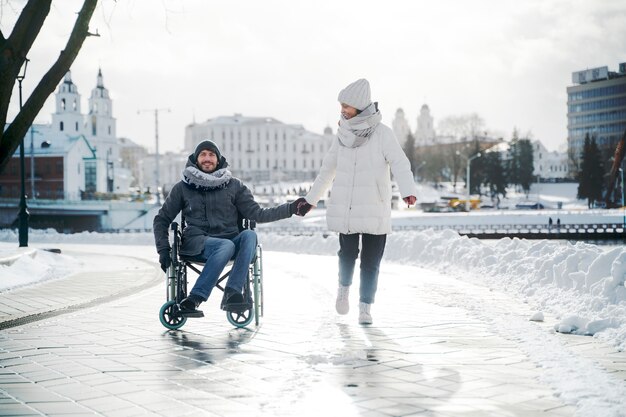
column 35, row 266
column 581, row 284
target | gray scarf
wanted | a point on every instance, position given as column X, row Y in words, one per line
column 200, row 180
column 356, row 131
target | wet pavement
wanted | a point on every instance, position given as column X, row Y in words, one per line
column 430, row 352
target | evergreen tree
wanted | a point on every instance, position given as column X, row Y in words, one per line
column 526, row 167
column 520, row 163
column 583, row 180
column 477, row 170
column 495, row 178
column 409, row 151
column 591, row 174
column 512, row 163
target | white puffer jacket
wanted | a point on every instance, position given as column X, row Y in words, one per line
column 360, row 198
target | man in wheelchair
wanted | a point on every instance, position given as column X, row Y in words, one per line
column 211, row 200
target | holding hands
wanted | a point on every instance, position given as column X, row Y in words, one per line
column 300, row 207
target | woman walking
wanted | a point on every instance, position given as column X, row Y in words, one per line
column 357, row 165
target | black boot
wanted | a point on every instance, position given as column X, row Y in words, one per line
column 233, row 300
column 189, row 306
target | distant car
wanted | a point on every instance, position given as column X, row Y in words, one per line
column 530, row 205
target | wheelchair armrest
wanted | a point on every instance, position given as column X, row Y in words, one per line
column 249, row 224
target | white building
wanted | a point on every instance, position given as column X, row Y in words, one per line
column 425, row 132
column 400, row 127
column 77, row 155
column 99, row 128
column 131, row 155
column 263, row 148
column 549, row 165
column 64, row 164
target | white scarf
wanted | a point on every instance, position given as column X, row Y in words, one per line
column 355, row 131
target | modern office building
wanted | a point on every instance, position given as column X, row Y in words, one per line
column 596, row 105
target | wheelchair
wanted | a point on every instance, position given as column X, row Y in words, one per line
column 176, row 284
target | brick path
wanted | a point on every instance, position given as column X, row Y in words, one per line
column 428, row 354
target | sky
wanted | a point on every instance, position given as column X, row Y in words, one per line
column 507, row 61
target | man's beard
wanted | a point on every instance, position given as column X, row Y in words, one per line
column 209, row 168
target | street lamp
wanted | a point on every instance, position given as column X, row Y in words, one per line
column 621, row 173
column 23, row 213
column 156, row 140
column 469, row 163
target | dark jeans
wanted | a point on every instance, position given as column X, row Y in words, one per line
column 218, row 252
column 372, row 249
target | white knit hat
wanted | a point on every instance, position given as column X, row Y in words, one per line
column 357, row 94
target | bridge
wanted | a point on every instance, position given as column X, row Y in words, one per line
column 76, row 216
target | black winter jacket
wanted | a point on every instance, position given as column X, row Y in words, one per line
column 211, row 213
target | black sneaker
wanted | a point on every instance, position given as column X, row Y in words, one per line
column 233, row 300
column 189, row 307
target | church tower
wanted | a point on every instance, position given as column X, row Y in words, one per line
column 401, row 127
column 100, row 123
column 67, row 118
column 101, row 133
column 425, row 133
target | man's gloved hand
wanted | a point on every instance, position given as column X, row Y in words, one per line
column 164, row 259
column 300, row 207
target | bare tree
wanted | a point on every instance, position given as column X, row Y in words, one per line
column 13, row 52
column 467, row 126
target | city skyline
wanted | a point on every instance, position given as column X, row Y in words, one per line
column 508, row 62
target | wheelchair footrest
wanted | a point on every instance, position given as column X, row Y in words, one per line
column 192, row 314
column 237, row 307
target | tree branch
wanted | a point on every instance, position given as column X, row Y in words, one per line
column 10, row 140
column 13, row 50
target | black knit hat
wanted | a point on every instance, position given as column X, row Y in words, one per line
column 207, row 145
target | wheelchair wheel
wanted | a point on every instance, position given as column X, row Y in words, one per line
column 240, row 318
column 170, row 317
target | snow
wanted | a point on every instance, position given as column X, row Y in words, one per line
column 19, row 268
column 582, row 285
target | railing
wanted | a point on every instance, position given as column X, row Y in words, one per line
column 599, row 231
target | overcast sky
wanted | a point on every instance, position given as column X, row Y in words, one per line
column 508, row 61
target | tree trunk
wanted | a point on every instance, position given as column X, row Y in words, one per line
column 14, row 51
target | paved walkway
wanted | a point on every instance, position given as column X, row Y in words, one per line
column 101, row 279
column 426, row 355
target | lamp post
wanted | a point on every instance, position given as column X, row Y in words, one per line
column 469, row 163
column 23, row 212
column 156, row 140
column 621, row 173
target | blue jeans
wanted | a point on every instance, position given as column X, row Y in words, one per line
column 218, row 252
column 372, row 249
